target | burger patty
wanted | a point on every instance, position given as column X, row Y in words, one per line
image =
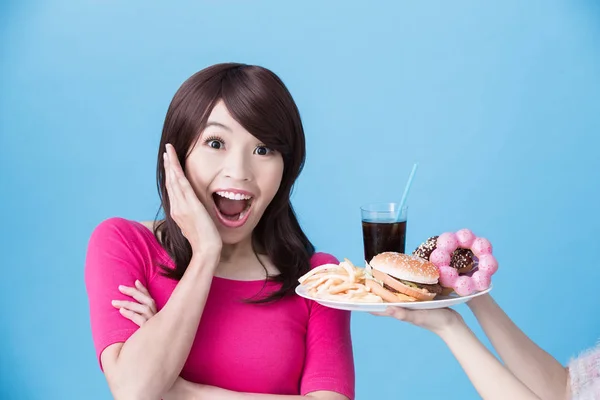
column 391, row 289
column 435, row 288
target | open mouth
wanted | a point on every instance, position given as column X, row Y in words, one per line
column 233, row 207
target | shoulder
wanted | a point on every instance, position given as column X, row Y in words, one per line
column 120, row 244
column 114, row 225
column 117, row 228
column 321, row 258
column 120, row 236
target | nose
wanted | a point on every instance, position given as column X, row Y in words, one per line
column 237, row 166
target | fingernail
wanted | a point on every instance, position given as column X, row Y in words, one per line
column 114, row 303
column 121, row 288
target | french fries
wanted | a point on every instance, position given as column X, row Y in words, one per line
column 343, row 281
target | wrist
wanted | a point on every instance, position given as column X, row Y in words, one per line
column 181, row 389
column 204, row 261
column 480, row 301
column 455, row 326
column 209, row 250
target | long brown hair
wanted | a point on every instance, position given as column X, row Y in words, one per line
column 262, row 104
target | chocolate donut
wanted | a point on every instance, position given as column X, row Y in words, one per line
column 462, row 259
column 426, row 248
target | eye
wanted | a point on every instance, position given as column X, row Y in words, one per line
column 263, row 150
column 214, row 142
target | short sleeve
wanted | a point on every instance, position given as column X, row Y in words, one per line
column 110, row 262
column 329, row 363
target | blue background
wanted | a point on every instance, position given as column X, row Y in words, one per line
column 498, row 102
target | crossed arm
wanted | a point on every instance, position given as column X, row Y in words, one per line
column 142, row 311
column 184, row 390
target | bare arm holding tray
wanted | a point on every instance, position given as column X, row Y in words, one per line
column 491, row 379
column 526, row 360
column 529, row 372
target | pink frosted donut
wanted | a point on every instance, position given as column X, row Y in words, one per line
column 448, row 276
column 481, row 280
column 488, row 264
column 447, row 241
column 464, row 286
column 465, row 238
column 441, row 257
column 481, row 246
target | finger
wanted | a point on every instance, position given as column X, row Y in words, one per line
column 135, row 307
column 167, row 173
column 142, row 288
column 400, row 313
column 131, row 306
column 174, row 160
column 135, row 318
column 175, row 194
column 145, row 292
column 138, row 296
column 178, row 176
column 176, row 185
column 380, row 313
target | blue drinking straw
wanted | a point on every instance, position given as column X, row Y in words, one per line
column 407, row 189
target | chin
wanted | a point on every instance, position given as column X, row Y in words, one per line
column 232, row 238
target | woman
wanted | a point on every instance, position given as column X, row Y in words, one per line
column 528, row 372
column 222, row 265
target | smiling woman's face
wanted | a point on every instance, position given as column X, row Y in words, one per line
column 234, row 175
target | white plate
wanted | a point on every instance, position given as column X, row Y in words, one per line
column 439, row 302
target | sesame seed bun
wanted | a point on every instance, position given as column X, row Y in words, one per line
column 406, row 267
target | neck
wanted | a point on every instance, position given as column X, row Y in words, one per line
column 234, row 253
column 240, row 262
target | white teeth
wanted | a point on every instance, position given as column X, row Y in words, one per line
column 243, row 214
column 234, row 196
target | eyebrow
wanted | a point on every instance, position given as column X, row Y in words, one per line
column 218, row 125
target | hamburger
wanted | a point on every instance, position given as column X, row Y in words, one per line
column 398, row 277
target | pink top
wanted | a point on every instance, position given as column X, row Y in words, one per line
column 293, row 346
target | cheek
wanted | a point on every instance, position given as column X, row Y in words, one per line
column 271, row 180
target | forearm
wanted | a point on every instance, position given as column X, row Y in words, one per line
column 527, row 361
column 150, row 361
column 185, row 390
column 489, row 377
column 229, row 395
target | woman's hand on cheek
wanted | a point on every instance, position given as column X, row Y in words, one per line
column 187, row 211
